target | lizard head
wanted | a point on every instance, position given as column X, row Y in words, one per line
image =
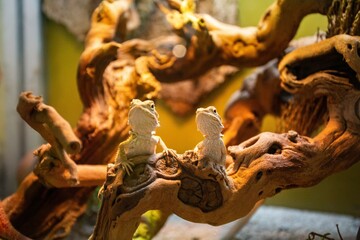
column 143, row 117
column 208, row 121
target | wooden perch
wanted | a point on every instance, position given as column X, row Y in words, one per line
column 47, row 122
column 261, row 95
column 111, row 74
column 54, row 174
column 53, row 128
column 214, row 43
column 41, row 212
column 262, row 166
column 258, row 96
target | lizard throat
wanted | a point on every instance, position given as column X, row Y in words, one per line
column 213, row 137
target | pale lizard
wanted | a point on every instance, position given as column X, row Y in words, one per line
column 143, row 119
column 211, row 151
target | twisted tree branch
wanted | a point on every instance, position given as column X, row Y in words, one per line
column 111, row 74
column 261, row 166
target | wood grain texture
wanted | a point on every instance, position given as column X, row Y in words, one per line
column 112, row 71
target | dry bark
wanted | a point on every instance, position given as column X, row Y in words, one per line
column 49, row 213
column 259, row 96
column 261, row 166
column 183, row 97
column 210, row 43
column 54, row 129
column 7, row 231
column 111, row 74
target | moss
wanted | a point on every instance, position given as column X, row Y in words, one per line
column 151, row 222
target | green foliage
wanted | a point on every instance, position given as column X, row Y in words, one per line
column 151, row 222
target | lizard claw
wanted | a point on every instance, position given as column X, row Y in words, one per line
column 100, row 192
column 127, row 167
column 170, row 153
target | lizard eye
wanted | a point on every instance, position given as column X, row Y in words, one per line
column 214, row 110
column 152, row 106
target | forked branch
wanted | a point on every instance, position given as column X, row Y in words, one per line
column 111, row 74
column 53, row 128
column 210, row 43
column 261, row 166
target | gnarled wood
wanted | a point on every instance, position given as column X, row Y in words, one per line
column 214, row 43
column 53, row 128
column 7, row 231
column 259, row 95
column 47, row 213
column 262, row 166
column 111, row 74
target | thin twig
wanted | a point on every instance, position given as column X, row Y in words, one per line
column 312, row 236
column 338, row 230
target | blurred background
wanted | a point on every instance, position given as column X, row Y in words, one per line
column 41, row 55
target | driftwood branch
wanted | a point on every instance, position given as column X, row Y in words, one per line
column 47, row 213
column 53, row 128
column 113, row 71
column 261, row 166
column 210, row 43
column 7, row 231
column 260, row 95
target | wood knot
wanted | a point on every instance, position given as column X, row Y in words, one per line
column 292, row 135
column 202, row 193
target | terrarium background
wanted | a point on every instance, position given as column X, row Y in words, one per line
column 338, row 193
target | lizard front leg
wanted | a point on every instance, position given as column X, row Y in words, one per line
column 122, row 160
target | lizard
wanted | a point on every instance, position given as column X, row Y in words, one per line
column 141, row 144
column 143, row 119
column 211, row 151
